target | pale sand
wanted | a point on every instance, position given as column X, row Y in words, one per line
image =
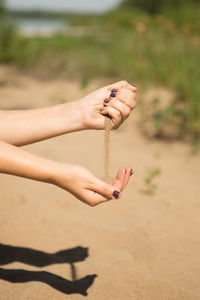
column 140, row 247
column 107, row 150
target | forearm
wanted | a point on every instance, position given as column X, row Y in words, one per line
column 22, row 127
column 75, row 179
column 16, row 161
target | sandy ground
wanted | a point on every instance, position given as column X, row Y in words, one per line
column 141, row 247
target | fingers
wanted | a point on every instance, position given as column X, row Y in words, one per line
column 122, row 178
column 92, row 198
column 127, row 97
column 119, row 180
column 128, row 173
column 121, row 107
column 114, row 114
column 121, row 84
column 122, row 101
column 100, row 191
column 104, row 189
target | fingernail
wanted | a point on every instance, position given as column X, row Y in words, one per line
column 116, row 194
column 134, row 87
column 106, row 100
column 131, row 172
column 114, row 90
column 113, row 94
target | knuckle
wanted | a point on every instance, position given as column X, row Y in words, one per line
column 122, row 92
column 124, row 82
column 122, row 95
column 134, row 95
column 134, row 104
column 128, row 111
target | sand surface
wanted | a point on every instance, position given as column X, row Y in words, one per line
column 140, row 247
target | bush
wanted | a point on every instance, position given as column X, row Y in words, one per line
column 8, row 41
column 2, row 8
column 155, row 6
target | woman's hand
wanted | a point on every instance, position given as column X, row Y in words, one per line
column 72, row 178
column 35, row 125
column 86, row 187
column 116, row 100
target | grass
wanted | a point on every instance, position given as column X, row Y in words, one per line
column 149, row 180
column 160, row 50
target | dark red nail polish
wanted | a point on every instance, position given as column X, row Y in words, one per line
column 114, row 90
column 106, row 100
column 131, row 172
column 113, row 94
column 116, row 194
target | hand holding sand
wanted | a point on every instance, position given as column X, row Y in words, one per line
column 35, row 125
column 116, row 100
column 86, row 187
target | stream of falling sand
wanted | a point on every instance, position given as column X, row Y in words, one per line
column 107, row 177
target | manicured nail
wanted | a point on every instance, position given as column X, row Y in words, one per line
column 106, row 100
column 131, row 172
column 116, row 194
column 113, row 94
column 114, row 90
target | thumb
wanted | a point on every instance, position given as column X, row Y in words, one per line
column 106, row 190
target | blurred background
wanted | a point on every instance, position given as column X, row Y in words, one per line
column 147, row 245
column 152, row 43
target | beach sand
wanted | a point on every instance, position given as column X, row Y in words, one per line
column 140, row 247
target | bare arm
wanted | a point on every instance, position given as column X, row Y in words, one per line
column 75, row 179
column 22, row 127
column 16, row 161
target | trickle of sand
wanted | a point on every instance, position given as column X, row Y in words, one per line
column 107, row 177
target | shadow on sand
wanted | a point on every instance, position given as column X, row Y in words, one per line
column 9, row 254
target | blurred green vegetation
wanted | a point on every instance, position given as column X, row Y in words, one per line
column 149, row 47
column 157, row 6
column 149, row 180
column 2, row 8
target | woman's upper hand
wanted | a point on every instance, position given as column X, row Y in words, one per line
column 116, row 100
column 86, row 187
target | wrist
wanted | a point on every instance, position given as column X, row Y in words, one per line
column 73, row 116
column 58, row 174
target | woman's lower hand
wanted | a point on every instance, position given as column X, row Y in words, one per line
column 116, row 100
column 86, row 187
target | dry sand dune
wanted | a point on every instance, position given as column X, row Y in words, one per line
column 141, row 247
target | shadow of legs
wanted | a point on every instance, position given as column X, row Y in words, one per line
column 57, row 282
column 9, row 254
